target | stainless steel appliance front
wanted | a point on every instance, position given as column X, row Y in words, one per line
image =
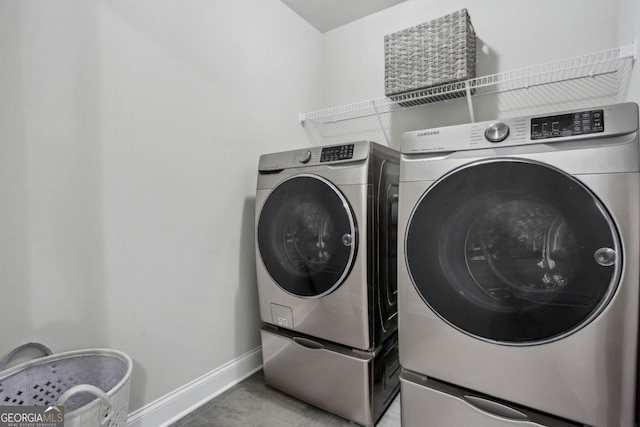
column 326, row 242
column 356, row 385
column 519, row 267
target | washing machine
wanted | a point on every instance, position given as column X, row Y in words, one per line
column 326, row 243
column 326, row 227
column 518, row 274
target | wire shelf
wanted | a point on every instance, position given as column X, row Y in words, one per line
column 579, row 82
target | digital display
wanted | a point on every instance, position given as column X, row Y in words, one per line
column 340, row 152
column 571, row 124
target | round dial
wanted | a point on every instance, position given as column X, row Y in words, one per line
column 496, row 132
column 304, row 157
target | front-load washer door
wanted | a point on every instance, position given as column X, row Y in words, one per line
column 512, row 251
column 307, row 236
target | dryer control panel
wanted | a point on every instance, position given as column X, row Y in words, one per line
column 315, row 156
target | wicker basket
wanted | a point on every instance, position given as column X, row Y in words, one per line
column 430, row 54
column 92, row 385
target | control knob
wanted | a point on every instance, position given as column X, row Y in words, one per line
column 496, row 132
column 305, row 156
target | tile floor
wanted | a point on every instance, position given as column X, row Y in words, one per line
column 252, row 403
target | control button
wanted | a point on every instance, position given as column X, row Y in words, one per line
column 305, row 157
column 496, row 132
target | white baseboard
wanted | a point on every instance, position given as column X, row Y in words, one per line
column 180, row 402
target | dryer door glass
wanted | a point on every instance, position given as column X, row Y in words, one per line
column 513, row 251
column 307, row 236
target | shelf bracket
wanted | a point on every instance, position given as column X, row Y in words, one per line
column 380, row 123
column 467, row 88
column 629, row 51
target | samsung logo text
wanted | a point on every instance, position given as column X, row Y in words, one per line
column 428, row 133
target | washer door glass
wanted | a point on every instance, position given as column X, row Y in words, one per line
column 307, row 236
column 513, row 251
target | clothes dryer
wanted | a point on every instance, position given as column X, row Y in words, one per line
column 326, row 226
column 518, row 276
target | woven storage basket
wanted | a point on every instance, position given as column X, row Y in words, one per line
column 430, row 54
column 92, row 385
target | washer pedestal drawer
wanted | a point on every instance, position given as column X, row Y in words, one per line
column 352, row 384
column 428, row 402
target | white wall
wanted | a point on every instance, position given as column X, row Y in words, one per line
column 510, row 35
column 629, row 31
column 130, row 132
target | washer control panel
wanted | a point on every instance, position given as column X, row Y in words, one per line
column 340, row 152
column 551, row 128
column 580, row 123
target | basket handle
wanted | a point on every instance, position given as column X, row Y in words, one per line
column 5, row 360
column 88, row 388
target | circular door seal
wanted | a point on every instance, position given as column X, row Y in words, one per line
column 307, row 236
column 513, row 251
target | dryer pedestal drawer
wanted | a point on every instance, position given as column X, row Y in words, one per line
column 428, row 402
column 355, row 385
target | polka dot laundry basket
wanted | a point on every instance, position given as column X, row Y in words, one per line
column 92, row 385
